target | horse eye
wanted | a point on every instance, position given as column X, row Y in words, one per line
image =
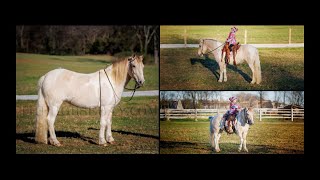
column 199, row 45
column 133, row 66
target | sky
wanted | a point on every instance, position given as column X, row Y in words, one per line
column 226, row 94
column 269, row 95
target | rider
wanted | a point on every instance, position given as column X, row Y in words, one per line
column 234, row 109
column 232, row 37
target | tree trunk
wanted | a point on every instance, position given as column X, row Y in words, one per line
column 156, row 52
column 21, row 37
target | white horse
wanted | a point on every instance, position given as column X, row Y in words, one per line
column 246, row 53
column 99, row 89
column 244, row 119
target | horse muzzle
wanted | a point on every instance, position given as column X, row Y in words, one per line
column 139, row 83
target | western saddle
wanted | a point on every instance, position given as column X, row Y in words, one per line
column 228, row 49
column 230, row 123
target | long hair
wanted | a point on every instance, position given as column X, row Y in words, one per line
column 120, row 70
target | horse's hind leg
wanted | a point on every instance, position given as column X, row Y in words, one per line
column 216, row 141
column 53, row 111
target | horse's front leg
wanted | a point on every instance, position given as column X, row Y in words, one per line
column 109, row 133
column 241, row 141
column 221, row 71
column 105, row 112
column 245, row 142
column 225, row 73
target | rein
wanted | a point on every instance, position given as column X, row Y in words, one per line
column 208, row 48
column 114, row 92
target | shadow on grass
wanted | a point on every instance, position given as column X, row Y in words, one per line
column 213, row 66
column 226, row 148
column 130, row 133
column 232, row 148
column 29, row 137
column 210, row 64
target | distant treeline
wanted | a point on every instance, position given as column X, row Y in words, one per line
column 79, row 40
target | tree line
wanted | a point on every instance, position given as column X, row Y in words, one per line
column 195, row 99
column 80, row 40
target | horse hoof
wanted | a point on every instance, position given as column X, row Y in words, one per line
column 239, row 150
column 112, row 142
column 218, row 150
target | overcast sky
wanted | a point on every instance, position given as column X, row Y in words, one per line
column 269, row 95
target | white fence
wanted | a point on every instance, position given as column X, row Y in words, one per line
column 261, row 113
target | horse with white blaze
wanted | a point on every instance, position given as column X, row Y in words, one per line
column 99, row 89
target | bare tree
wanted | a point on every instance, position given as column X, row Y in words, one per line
column 296, row 98
column 145, row 34
column 261, row 97
column 156, row 51
column 277, row 97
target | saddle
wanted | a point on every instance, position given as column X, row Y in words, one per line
column 228, row 49
column 230, row 121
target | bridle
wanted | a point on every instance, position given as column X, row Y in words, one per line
column 208, row 48
column 136, row 86
column 246, row 116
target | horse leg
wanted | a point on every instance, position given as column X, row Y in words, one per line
column 212, row 140
column 53, row 111
column 109, row 133
column 103, row 123
column 253, row 74
column 234, row 58
column 221, row 65
column 225, row 73
column 241, row 141
column 245, row 141
column 216, row 141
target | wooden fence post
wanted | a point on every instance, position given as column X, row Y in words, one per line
column 289, row 35
column 196, row 118
column 185, row 38
column 166, row 114
column 245, row 36
column 260, row 114
column 291, row 114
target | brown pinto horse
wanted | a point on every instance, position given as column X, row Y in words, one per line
column 227, row 49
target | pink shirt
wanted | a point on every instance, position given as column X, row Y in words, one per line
column 232, row 38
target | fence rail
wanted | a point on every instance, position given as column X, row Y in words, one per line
column 261, row 113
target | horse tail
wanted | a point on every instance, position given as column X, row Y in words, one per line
column 41, row 117
column 210, row 129
column 257, row 68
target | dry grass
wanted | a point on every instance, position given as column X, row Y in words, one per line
column 182, row 69
column 266, row 137
column 135, row 129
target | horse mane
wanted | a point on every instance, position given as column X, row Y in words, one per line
column 120, row 70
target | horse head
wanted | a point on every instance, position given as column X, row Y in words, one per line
column 202, row 48
column 248, row 115
column 136, row 69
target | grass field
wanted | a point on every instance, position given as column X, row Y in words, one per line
column 30, row 67
column 135, row 128
column 265, row 137
column 182, row 69
column 255, row 34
